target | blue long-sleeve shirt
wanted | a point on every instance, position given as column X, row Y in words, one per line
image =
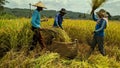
column 35, row 19
column 58, row 21
column 100, row 26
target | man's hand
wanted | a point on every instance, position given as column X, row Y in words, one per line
column 40, row 29
column 92, row 11
column 62, row 28
column 44, row 20
column 94, row 32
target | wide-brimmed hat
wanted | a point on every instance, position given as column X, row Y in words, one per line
column 63, row 11
column 102, row 12
column 39, row 4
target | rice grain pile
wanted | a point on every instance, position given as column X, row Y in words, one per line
column 96, row 4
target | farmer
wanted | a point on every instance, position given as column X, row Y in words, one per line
column 36, row 21
column 101, row 24
column 59, row 18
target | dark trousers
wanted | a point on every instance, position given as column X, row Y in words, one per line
column 100, row 41
column 37, row 37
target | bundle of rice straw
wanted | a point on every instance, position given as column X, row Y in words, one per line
column 56, row 33
column 96, row 4
column 61, row 35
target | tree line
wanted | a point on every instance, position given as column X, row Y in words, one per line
column 17, row 12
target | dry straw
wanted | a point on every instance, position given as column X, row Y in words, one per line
column 96, row 4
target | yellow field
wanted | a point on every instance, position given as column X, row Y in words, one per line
column 17, row 33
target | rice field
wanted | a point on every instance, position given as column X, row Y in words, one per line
column 16, row 35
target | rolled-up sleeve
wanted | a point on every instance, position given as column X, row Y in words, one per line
column 35, row 21
column 102, row 27
column 60, row 24
column 34, row 16
column 94, row 17
column 56, row 20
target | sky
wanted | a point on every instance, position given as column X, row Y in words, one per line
column 83, row 6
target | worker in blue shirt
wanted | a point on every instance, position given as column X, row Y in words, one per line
column 36, row 26
column 59, row 18
column 98, row 38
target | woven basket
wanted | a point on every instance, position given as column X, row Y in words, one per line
column 68, row 50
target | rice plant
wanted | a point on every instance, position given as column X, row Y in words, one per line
column 16, row 35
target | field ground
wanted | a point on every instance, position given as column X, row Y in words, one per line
column 16, row 34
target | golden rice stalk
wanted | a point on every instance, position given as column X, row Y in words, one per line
column 96, row 4
column 59, row 34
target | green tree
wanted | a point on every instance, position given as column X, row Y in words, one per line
column 2, row 2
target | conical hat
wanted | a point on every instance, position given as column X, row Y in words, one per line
column 39, row 4
column 63, row 11
column 102, row 12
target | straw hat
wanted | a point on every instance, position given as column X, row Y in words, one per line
column 102, row 13
column 63, row 11
column 39, row 4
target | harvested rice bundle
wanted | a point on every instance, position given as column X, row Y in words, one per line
column 62, row 36
column 56, row 33
column 96, row 4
